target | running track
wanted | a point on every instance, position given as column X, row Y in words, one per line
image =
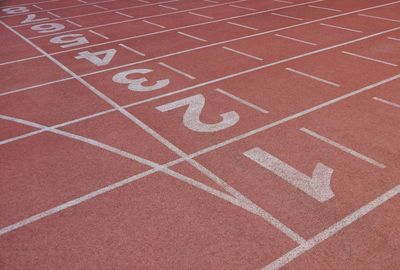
column 200, row 134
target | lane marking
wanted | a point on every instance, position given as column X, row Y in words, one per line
column 242, row 101
column 245, row 8
column 200, row 15
column 98, row 34
column 378, row 17
column 369, row 58
column 298, row 40
column 155, row 24
column 191, row 36
column 343, row 148
column 53, row 14
column 332, row 230
column 123, row 14
column 73, row 23
column 131, row 49
column 325, row 8
column 243, row 53
column 144, row 1
column 243, row 26
column 100, row 7
column 211, row 1
column 167, row 7
column 287, row 16
column 82, row 1
column 283, row 1
column 339, row 27
column 36, row 6
column 387, row 102
column 313, row 77
column 240, row 197
column 177, row 71
column 21, row 60
column 395, row 39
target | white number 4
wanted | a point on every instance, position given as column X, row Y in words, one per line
column 95, row 57
column 191, row 118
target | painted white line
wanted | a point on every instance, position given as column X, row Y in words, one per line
column 53, row 14
column 343, row 148
column 244, row 201
column 286, row 16
column 100, row 7
column 21, row 60
column 98, row 34
column 242, row 101
column 325, row 8
column 283, row 1
column 243, row 26
column 34, row 86
column 144, row 1
column 313, row 77
column 36, row 6
column 243, row 53
column 395, row 39
column 123, row 14
column 191, row 36
column 177, row 71
column 295, row 39
column 369, row 58
column 74, row 23
column 339, row 27
column 131, row 49
column 200, row 15
column 332, row 230
column 154, row 24
column 82, row 1
column 245, row 8
column 167, row 7
column 211, row 1
column 378, row 17
column 387, row 102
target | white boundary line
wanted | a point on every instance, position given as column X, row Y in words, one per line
column 242, row 101
column 123, row 14
column 243, row 26
column 387, row 102
column 369, row 58
column 343, row 148
column 243, row 53
column 154, row 24
column 245, row 8
column 98, row 34
column 191, row 36
column 287, row 16
column 332, row 230
column 313, row 77
column 378, row 17
column 325, row 8
column 180, row 72
column 298, row 40
column 200, row 15
column 343, row 28
column 131, row 49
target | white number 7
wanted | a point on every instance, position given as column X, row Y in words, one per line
column 191, row 118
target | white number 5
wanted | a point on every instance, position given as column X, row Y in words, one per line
column 191, row 118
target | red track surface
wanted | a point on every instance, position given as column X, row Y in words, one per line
column 200, row 134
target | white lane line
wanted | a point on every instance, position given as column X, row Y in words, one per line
column 369, row 58
column 283, row 1
column 144, row 1
column 245, row 8
column 378, row 17
column 287, row 16
column 73, row 23
column 53, row 14
column 325, row 8
column 242, row 101
column 387, row 102
column 123, row 14
column 243, row 26
column 339, row 27
column 395, row 39
column 191, row 36
column 211, row 1
column 167, row 7
column 36, row 6
column 98, row 34
column 131, row 49
column 243, row 200
column 243, row 53
column 200, row 15
column 295, row 39
column 82, row 1
column 21, row 60
column 343, row 148
column 100, row 7
column 154, row 24
column 332, row 230
column 177, row 71
column 313, row 77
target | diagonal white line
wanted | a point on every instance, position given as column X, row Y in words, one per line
column 387, row 102
column 240, row 100
column 313, row 77
column 369, row 58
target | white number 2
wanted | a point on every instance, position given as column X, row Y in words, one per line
column 95, row 59
column 191, row 118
